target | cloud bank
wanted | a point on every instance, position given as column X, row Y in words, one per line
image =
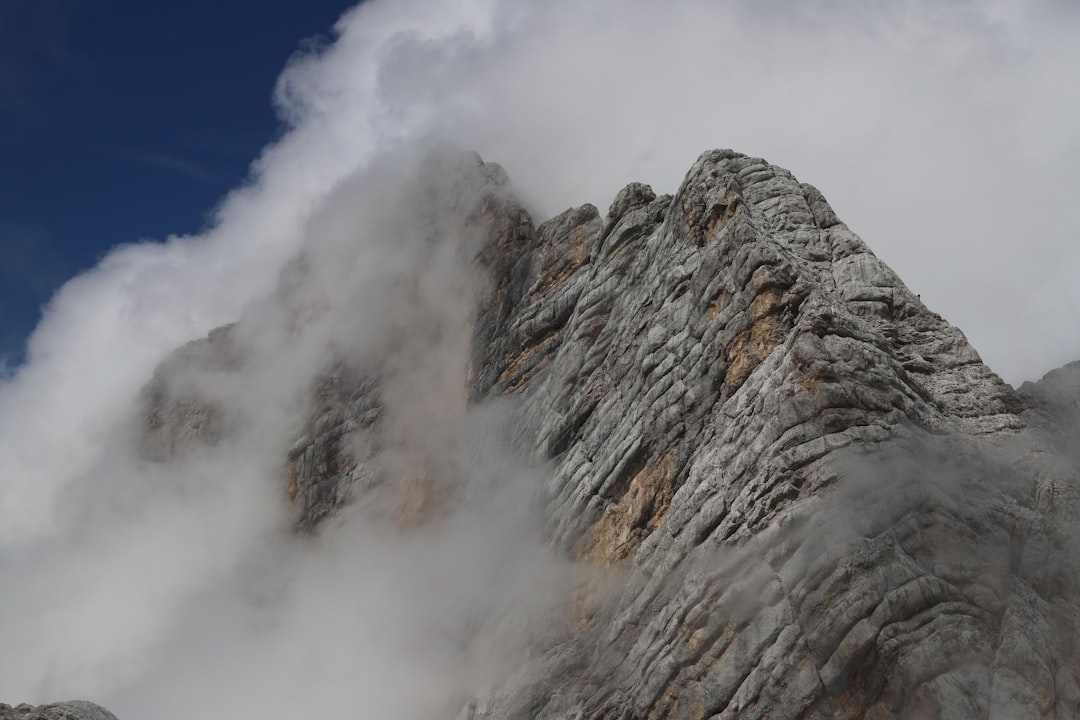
column 944, row 135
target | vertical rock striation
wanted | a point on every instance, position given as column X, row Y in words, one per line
column 814, row 498
column 824, row 503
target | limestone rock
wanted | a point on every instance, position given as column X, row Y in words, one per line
column 73, row 710
column 824, row 502
column 180, row 408
column 348, row 447
column 817, row 500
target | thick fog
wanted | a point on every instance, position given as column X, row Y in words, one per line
column 943, row 134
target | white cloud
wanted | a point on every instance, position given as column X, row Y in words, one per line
column 943, row 133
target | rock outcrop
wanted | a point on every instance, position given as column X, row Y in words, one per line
column 808, row 495
column 825, row 503
column 73, row 710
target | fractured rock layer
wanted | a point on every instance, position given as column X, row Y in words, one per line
column 827, row 505
column 817, row 500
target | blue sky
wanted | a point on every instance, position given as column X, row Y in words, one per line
column 122, row 120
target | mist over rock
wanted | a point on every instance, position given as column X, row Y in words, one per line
column 791, row 489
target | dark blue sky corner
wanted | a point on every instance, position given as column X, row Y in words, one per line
column 122, row 120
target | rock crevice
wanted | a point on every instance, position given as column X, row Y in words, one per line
column 819, row 500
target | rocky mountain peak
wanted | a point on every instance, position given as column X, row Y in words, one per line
column 806, row 494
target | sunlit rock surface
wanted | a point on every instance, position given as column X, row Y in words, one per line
column 796, row 492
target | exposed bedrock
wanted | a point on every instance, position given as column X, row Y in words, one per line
column 815, row 499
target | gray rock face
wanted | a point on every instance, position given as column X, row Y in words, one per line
column 825, row 504
column 180, row 411
column 349, row 449
column 805, row 493
column 73, row 710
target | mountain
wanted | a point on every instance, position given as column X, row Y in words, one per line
column 787, row 489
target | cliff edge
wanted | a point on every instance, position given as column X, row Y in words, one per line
column 799, row 492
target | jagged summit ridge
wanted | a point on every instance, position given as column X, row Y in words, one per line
column 708, row 390
column 816, row 499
